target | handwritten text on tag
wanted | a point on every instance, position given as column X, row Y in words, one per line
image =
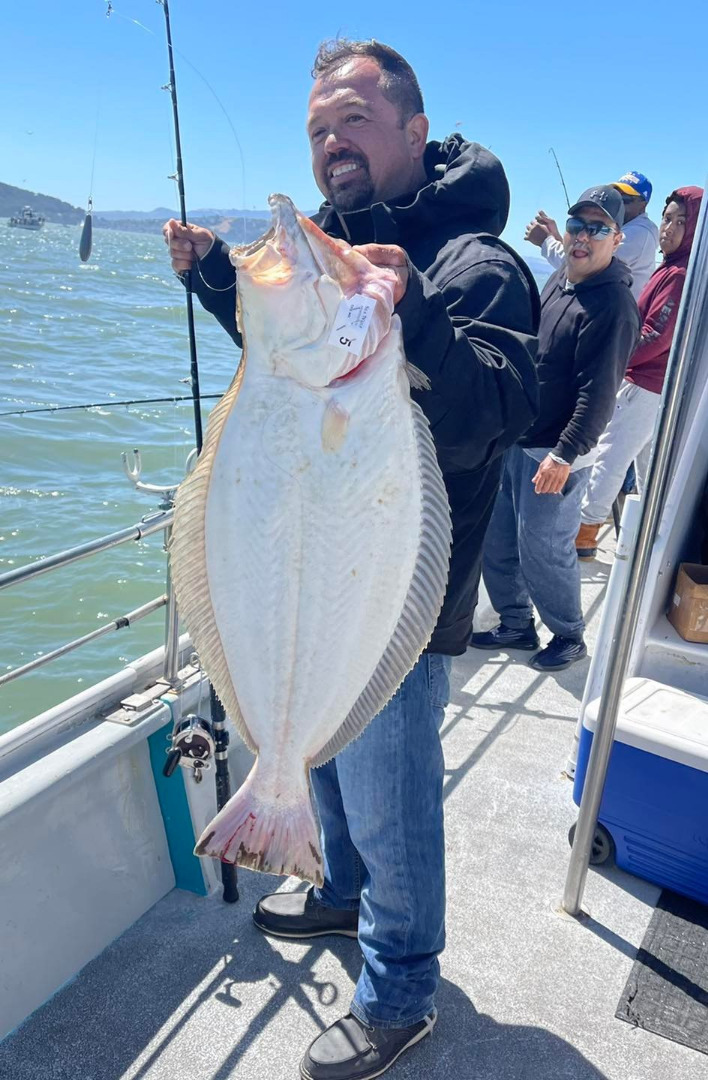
column 352, row 322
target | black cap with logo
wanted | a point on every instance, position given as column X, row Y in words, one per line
column 607, row 198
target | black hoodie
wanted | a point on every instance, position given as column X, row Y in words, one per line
column 587, row 334
column 469, row 316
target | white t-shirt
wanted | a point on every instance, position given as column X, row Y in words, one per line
column 637, row 251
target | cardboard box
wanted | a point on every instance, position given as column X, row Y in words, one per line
column 688, row 612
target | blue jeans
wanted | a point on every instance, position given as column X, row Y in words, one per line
column 529, row 550
column 381, row 815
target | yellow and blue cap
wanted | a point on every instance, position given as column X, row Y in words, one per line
column 634, row 183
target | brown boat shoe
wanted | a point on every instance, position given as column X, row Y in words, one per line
column 586, row 542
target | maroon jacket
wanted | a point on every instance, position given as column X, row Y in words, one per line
column 659, row 302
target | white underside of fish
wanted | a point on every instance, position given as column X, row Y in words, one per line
column 310, row 558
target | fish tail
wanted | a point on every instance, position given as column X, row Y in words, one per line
column 257, row 831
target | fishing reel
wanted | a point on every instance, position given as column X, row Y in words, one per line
column 192, row 746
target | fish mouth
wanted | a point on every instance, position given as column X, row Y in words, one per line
column 273, row 257
column 280, row 206
column 292, row 245
column 244, row 250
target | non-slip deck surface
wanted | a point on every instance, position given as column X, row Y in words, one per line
column 667, row 991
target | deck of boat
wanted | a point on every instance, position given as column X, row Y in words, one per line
column 194, row 992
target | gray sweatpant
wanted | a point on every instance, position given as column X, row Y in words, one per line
column 627, row 438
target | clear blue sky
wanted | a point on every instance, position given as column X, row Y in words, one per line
column 624, row 88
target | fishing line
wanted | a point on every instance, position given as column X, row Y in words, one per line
column 106, row 404
column 116, row 14
column 86, row 241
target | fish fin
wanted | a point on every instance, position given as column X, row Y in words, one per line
column 254, row 830
column 335, row 424
column 417, row 378
column 188, row 564
column 422, row 604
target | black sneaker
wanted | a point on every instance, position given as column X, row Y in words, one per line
column 504, row 637
column 300, row 915
column 560, row 653
column 350, row 1050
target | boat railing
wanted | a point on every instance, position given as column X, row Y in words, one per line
column 160, row 521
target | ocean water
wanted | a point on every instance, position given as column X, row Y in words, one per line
column 72, row 333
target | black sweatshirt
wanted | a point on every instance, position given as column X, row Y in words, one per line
column 588, row 333
column 469, row 316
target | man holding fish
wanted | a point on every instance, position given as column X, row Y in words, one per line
column 429, row 215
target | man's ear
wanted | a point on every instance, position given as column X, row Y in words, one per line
column 417, row 132
column 619, row 237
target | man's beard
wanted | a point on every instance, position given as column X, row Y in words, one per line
column 358, row 193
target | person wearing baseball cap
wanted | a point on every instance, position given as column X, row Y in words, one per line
column 640, row 234
column 589, row 327
column 636, row 186
column 628, row 436
column 607, row 198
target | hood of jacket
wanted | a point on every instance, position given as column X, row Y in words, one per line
column 465, row 184
column 617, row 271
column 691, row 198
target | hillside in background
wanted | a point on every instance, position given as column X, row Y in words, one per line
column 163, row 212
column 236, row 230
column 12, row 199
column 234, row 226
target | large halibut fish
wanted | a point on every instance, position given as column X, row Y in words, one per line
column 311, row 543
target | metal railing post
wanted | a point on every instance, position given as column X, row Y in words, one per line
column 171, row 663
column 692, row 316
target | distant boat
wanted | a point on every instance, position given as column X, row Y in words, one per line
column 26, row 219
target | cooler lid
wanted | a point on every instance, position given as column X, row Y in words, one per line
column 661, row 720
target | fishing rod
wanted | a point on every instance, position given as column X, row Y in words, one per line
column 552, row 151
column 218, row 715
column 186, row 275
column 106, row 404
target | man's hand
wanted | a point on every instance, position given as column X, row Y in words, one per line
column 549, row 223
column 392, row 257
column 536, row 233
column 551, row 477
column 185, row 242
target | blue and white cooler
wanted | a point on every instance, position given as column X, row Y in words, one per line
column 655, row 803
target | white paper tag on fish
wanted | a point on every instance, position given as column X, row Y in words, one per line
column 353, row 318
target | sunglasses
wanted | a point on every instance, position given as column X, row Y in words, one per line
column 594, row 229
column 627, row 199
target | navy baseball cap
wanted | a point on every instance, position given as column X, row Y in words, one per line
column 607, row 198
column 634, row 183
